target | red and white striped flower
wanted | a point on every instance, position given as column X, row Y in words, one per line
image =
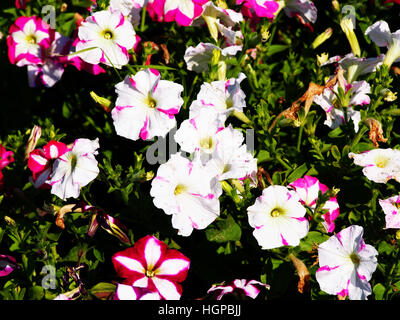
column 151, row 264
column 41, row 162
column 250, row 288
column 29, row 37
column 146, row 105
column 278, row 218
column 127, row 292
column 307, row 188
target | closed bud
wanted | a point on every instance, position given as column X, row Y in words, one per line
column 322, row 38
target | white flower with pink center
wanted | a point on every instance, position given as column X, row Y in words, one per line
column 187, row 191
column 151, row 265
column 334, row 113
column 75, row 169
column 250, row 288
column 278, row 218
column 391, row 208
column 182, row 11
column 346, row 264
column 105, row 37
column 307, row 189
column 379, row 165
column 146, row 105
column 29, row 36
column 220, row 97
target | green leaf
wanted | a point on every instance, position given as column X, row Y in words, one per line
column 276, row 48
column 297, row 173
column 225, row 230
column 313, row 238
column 385, row 248
column 35, row 293
column 379, row 291
column 335, row 152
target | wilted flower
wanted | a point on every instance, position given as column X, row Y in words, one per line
column 187, row 191
column 278, row 218
column 380, row 34
column 146, row 105
column 249, row 288
column 152, row 265
column 75, row 169
column 379, row 165
column 391, row 208
column 106, row 37
column 346, row 264
column 308, row 188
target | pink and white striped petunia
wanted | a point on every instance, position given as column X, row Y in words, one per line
column 152, row 265
column 182, row 11
column 105, row 37
column 379, row 165
column 75, row 169
column 6, row 157
column 29, row 37
column 41, row 162
column 221, row 97
column 346, row 264
column 307, row 188
column 187, row 191
column 278, row 218
column 130, row 9
column 146, row 105
column 7, row 265
column 249, row 288
column 128, row 292
column 390, row 207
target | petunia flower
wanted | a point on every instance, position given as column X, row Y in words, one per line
column 379, row 165
column 75, row 169
column 220, row 97
column 198, row 58
column 380, row 34
column 346, row 264
column 152, row 265
column 6, row 157
column 278, row 218
column 187, row 191
column 105, row 37
column 41, row 161
column 249, row 288
column 390, row 207
column 356, row 93
column 21, row 4
column 128, row 292
column 7, row 265
column 261, row 8
column 129, row 8
column 29, row 36
column 304, row 10
column 183, row 11
column 308, row 188
column 146, row 105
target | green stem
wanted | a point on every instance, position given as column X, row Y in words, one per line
column 143, row 19
column 299, row 137
column 278, row 157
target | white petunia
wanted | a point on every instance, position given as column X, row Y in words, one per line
column 187, row 191
column 105, row 37
column 346, row 264
column 380, row 165
column 75, row 169
column 278, row 218
column 146, row 105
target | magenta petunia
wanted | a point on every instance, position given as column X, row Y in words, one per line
column 152, row 265
column 7, row 265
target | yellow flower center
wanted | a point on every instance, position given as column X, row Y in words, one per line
column 355, row 258
column 179, row 189
column 31, row 39
column 150, row 273
column 206, row 143
column 107, row 34
column 381, row 161
column 229, row 103
column 276, row 212
column 74, row 160
column 151, row 102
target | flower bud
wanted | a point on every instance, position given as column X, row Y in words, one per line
column 322, row 38
column 348, row 28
